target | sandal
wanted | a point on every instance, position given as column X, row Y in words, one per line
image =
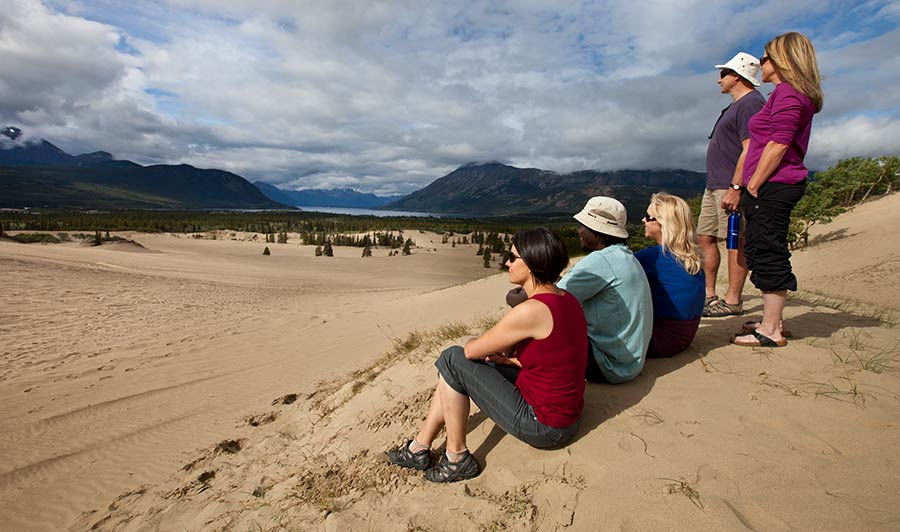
column 750, row 326
column 446, row 471
column 711, row 300
column 758, row 341
column 720, row 309
column 403, row 457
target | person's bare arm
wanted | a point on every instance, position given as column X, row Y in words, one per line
column 531, row 319
column 768, row 162
column 732, row 197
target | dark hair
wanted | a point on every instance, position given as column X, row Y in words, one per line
column 543, row 252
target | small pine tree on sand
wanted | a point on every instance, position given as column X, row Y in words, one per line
column 266, row 251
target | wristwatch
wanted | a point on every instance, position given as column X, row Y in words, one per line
column 735, row 187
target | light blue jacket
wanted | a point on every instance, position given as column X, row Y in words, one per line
column 614, row 293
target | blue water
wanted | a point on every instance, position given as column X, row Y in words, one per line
column 382, row 214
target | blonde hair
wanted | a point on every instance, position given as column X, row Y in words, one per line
column 677, row 224
column 794, row 58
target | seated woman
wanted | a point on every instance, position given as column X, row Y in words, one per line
column 526, row 372
column 674, row 273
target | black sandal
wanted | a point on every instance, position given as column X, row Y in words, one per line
column 446, row 471
column 403, row 457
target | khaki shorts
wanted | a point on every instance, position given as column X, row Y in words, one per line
column 713, row 219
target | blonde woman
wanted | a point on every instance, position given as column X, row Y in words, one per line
column 673, row 269
column 775, row 177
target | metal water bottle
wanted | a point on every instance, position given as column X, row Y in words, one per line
column 734, row 230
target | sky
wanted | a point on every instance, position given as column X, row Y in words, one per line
column 387, row 96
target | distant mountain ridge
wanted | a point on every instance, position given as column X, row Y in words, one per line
column 40, row 174
column 336, row 197
column 498, row 189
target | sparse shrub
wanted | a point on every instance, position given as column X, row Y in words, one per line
column 266, row 251
column 34, row 238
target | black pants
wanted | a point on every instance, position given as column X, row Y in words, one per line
column 768, row 218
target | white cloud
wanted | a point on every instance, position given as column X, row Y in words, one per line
column 386, row 96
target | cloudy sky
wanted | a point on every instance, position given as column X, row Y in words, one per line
column 386, row 96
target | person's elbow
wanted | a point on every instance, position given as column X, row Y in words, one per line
column 470, row 350
column 776, row 147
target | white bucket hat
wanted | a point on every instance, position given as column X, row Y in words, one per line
column 604, row 215
column 745, row 66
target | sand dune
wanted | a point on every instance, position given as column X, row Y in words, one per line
column 200, row 388
column 116, row 365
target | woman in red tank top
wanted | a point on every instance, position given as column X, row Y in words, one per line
column 526, row 373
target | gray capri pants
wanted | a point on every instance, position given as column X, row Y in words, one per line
column 493, row 389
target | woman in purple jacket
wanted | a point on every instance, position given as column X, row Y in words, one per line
column 775, row 177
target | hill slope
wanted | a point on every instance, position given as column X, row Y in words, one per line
column 498, row 189
column 39, row 174
column 718, row 438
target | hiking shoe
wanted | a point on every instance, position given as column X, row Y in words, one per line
column 446, row 471
column 403, row 457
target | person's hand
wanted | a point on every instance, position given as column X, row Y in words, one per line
column 731, row 200
column 753, row 191
column 502, row 360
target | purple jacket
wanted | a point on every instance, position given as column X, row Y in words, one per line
column 786, row 119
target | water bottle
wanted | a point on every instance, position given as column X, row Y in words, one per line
column 734, row 230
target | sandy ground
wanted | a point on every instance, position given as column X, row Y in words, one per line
column 116, row 362
column 197, row 389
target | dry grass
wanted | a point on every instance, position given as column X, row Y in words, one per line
column 885, row 316
column 415, row 347
column 683, row 486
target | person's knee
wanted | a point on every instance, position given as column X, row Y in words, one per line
column 454, row 356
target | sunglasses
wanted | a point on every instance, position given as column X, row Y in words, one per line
column 649, row 218
column 763, row 60
column 724, row 73
column 513, row 258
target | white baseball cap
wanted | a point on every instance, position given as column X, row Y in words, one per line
column 745, row 66
column 604, row 215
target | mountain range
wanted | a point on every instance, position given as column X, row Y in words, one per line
column 40, row 174
column 499, row 189
column 335, row 197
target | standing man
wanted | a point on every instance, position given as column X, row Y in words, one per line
column 728, row 145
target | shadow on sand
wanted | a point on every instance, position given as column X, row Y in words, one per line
column 606, row 401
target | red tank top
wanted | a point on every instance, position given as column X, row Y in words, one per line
column 552, row 375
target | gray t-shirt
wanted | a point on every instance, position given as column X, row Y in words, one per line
column 725, row 141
